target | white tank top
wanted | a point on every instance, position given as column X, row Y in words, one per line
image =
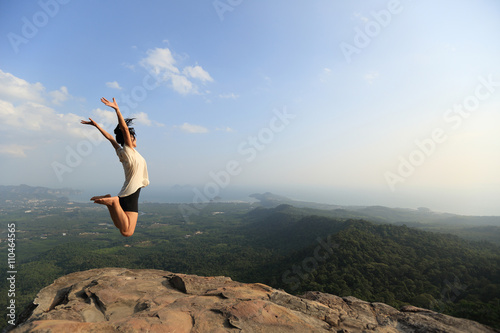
column 135, row 168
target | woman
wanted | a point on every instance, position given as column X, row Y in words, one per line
column 123, row 208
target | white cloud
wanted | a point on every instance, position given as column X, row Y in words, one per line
column 371, row 76
column 14, row 150
column 15, row 89
column 325, row 75
column 182, row 85
column 160, row 61
column 129, row 66
column 197, row 72
column 26, row 120
column 7, row 111
column 143, row 118
column 105, row 117
column 229, row 96
column 113, row 85
column 109, row 120
column 361, row 17
column 225, row 129
column 33, row 121
column 190, row 128
column 267, row 80
column 59, row 96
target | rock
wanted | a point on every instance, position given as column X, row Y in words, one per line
column 126, row 300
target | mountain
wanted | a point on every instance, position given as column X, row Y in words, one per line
column 146, row 300
column 419, row 217
column 12, row 195
column 394, row 264
column 270, row 200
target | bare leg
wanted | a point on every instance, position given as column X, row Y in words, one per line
column 124, row 221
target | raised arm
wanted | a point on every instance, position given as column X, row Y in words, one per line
column 103, row 132
column 121, row 122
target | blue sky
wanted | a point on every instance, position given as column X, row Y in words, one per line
column 384, row 102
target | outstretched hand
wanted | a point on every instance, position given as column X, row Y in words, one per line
column 91, row 122
column 113, row 104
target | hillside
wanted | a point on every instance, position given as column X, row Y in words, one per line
column 124, row 300
column 30, row 196
column 420, row 217
column 474, row 228
column 381, row 263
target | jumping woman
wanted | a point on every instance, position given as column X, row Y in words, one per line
column 124, row 208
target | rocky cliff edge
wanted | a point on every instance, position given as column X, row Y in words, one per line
column 143, row 300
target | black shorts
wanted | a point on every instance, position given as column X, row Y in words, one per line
column 130, row 203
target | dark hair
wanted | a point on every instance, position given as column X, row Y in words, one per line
column 118, row 132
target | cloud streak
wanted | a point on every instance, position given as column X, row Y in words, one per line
column 113, row 85
column 197, row 72
column 229, row 96
column 14, row 150
column 190, row 128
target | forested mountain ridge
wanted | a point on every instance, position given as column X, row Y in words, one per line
column 397, row 265
column 469, row 227
column 380, row 214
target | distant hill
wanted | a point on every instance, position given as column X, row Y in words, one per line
column 270, row 200
column 420, row 217
column 15, row 194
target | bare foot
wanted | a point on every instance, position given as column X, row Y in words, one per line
column 108, row 201
column 100, row 197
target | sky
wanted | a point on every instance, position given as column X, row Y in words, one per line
column 393, row 103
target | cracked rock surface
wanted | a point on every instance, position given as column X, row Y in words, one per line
column 143, row 300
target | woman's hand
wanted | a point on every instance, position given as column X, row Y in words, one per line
column 91, row 122
column 113, row 104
